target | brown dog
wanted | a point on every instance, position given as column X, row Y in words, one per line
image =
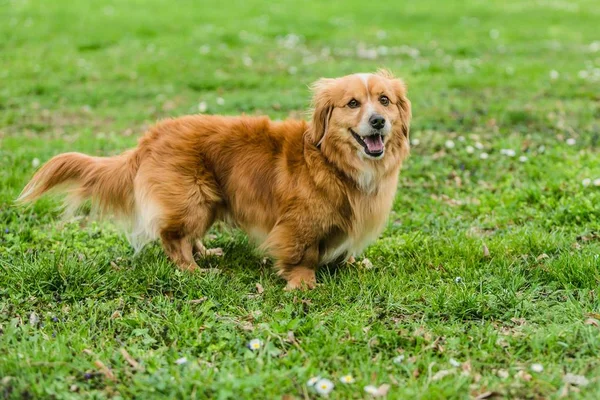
column 311, row 193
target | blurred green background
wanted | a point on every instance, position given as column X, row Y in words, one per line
column 489, row 262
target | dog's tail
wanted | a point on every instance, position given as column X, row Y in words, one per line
column 107, row 181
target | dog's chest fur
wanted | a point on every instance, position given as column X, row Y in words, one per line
column 369, row 216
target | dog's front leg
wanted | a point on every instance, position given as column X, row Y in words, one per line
column 300, row 275
column 296, row 255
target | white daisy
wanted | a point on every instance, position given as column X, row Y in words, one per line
column 324, row 387
column 255, row 344
column 461, row 139
column 470, row 149
column 181, row 361
column 35, row 162
column 554, row 75
column 508, row 152
column 479, row 146
column 347, row 379
column 220, row 101
column 484, row 156
column 571, row 141
column 597, row 182
column 202, row 106
column 523, row 158
column 586, row 182
column 537, row 367
column 398, row 359
column 415, row 142
column 449, row 144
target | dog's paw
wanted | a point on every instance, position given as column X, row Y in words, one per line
column 301, row 278
column 217, row 252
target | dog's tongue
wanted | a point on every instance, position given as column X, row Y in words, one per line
column 374, row 143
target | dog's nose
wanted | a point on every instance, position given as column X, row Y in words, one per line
column 377, row 121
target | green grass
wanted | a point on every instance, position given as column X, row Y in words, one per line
column 91, row 75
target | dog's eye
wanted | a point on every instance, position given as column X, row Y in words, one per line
column 353, row 103
column 384, row 100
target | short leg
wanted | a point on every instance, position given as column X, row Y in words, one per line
column 296, row 254
column 179, row 249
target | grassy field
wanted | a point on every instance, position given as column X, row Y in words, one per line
column 489, row 265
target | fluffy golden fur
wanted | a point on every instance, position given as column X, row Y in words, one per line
column 311, row 192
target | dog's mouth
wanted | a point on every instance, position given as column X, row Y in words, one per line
column 372, row 144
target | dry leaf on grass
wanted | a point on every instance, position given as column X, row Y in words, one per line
column 577, row 380
column 259, row 288
column 523, row 375
column 486, row 251
column 442, row 374
column 198, row 301
column 380, row 391
column 131, row 360
column 484, row 395
column 105, row 370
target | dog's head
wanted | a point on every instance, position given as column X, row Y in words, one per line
column 363, row 116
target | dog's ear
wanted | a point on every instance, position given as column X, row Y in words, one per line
column 402, row 102
column 322, row 107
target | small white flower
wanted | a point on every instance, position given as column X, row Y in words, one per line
column 311, row 382
column 372, row 390
column 523, row 158
column 479, row 146
column 484, row 156
column 205, row 49
column 415, row 142
column 347, row 379
column 33, row 319
column 597, row 182
column 554, row 75
column 583, row 74
column 458, row 279
column 470, row 149
column 541, row 149
column 181, row 361
column 461, row 139
column 292, row 70
column 454, row 363
column 508, row 152
column 586, row 182
column 494, row 34
column 398, row 359
column 220, row 101
column 324, row 387
column 202, row 106
column 247, row 61
column 571, row 141
column 35, row 162
column 255, row 344
column 449, row 144
column 537, row 367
